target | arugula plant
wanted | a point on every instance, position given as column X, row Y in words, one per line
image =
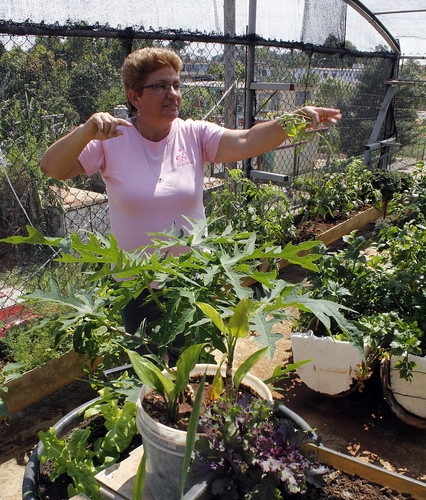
column 297, row 129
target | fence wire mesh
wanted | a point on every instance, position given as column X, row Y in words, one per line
column 52, row 79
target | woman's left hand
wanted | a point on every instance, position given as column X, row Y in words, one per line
column 319, row 116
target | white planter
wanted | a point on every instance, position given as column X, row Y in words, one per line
column 411, row 395
column 335, row 364
column 165, row 447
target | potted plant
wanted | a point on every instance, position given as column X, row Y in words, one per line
column 340, row 363
column 211, row 272
column 87, row 440
column 168, row 451
column 402, row 367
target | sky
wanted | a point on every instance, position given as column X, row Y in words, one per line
column 279, row 19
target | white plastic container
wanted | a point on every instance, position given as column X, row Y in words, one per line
column 165, row 446
column 334, row 367
column 411, row 395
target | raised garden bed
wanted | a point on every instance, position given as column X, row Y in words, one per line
column 40, row 382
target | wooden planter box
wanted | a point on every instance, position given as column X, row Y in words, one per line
column 370, row 472
column 356, row 222
column 43, row 381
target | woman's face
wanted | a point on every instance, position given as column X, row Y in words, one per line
column 154, row 103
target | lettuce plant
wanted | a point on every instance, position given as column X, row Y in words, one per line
column 79, row 457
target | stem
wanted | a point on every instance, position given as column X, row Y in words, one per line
column 153, row 295
column 229, row 385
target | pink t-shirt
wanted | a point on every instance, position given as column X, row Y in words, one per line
column 151, row 185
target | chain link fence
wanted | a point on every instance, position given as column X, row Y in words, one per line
column 53, row 78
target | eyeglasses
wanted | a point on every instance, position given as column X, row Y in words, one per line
column 163, row 87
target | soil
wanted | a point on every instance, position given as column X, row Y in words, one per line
column 360, row 425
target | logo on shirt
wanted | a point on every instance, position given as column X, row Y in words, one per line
column 182, row 158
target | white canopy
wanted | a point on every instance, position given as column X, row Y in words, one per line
column 365, row 24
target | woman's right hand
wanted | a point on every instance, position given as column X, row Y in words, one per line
column 103, row 126
column 61, row 161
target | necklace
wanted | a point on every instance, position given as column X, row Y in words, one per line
column 165, row 155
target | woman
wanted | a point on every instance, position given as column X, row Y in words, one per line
column 152, row 164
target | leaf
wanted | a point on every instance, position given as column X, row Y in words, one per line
column 263, row 327
column 150, row 374
column 191, row 432
column 247, row 365
column 211, row 313
column 83, row 302
column 139, row 483
column 217, row 386
column 77, row 445
column 279, row 372
column 120, row 430
column 238, row 324
column 299, row 254
column 35, row 237
column 185, row 364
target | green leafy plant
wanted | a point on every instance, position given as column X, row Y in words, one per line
column 28, row 344
column 80, row 458
column 345, row 189
column 408, row 204
column 233, row 328
column 260, row 208
column 391, row 182
column 170, row 384
column 394, row 336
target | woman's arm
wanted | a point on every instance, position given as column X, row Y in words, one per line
column 236, row 145
column 61, row 162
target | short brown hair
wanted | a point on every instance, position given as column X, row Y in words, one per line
column 140, row 63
